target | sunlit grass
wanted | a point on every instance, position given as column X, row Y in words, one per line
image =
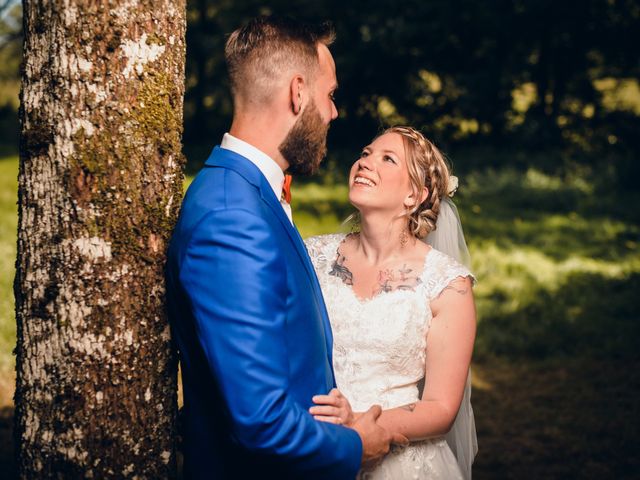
column 319, row 209
column 313, row 192
column 558, row 267
column 8, row 226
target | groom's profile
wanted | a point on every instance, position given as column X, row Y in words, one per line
column 244, row 303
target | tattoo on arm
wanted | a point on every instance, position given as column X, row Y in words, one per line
column 461, row 291
column 409, row 408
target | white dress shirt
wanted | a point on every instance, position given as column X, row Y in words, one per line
column 267, row 166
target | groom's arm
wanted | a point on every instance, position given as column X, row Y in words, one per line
column 234, row 274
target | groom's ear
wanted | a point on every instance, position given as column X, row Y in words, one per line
column 297, row 89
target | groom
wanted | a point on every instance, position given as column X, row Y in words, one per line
column 244, row 303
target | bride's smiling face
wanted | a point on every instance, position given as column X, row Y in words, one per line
column 379, row 179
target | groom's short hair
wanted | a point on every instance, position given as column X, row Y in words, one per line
column 268, row 50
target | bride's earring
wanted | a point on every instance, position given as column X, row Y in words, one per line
column 404, row 238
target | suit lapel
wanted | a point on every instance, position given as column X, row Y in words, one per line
column 304, row 257
column 227, row 159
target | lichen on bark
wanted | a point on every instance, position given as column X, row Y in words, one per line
column 100, row 175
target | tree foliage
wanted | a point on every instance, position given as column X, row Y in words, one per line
column 558, row 80
column 515, row 74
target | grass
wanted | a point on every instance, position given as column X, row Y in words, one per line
column 556, row 358
column 8, row 226
column 556, row 419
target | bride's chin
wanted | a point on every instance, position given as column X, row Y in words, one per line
column 367, row 208
column 364, row 207
column 356, row 200
column 363, row 200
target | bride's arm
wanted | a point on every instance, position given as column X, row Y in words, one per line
column 448, row 354
column 449, row 348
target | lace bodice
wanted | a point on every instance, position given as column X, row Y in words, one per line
column 379, row 344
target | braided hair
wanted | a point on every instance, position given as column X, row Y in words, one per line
column 427, row 168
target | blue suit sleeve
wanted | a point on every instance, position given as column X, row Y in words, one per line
column 234, row 274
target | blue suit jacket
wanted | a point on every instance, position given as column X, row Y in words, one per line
column 254, row 338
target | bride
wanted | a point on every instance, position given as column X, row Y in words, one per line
column 402, row 312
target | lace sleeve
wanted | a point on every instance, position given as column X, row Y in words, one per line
column 443, row 271
column 317, row 248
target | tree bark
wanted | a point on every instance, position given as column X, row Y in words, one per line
column 100, row 185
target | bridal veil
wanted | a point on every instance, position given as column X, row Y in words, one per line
column 448, row 238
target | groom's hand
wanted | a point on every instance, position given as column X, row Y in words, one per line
column 375, row 439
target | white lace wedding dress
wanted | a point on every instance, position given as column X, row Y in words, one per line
column 379, row 353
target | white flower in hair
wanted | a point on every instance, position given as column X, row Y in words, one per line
column 453, row 185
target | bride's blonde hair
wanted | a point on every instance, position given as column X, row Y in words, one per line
column 427, row 168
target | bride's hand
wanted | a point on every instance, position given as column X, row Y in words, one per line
column 333, row 408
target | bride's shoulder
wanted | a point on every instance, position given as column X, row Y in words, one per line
column 321, row 241
column 440, row 257
column 322, row 246
column 441, row 270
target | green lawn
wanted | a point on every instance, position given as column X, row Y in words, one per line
column 556, row 359
column 8, row 225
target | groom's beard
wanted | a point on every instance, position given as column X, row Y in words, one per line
column 306, row 143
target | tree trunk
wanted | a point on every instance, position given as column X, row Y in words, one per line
column 100, row 185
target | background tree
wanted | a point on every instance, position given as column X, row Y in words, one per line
column 555, row 82
column 99, row 187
